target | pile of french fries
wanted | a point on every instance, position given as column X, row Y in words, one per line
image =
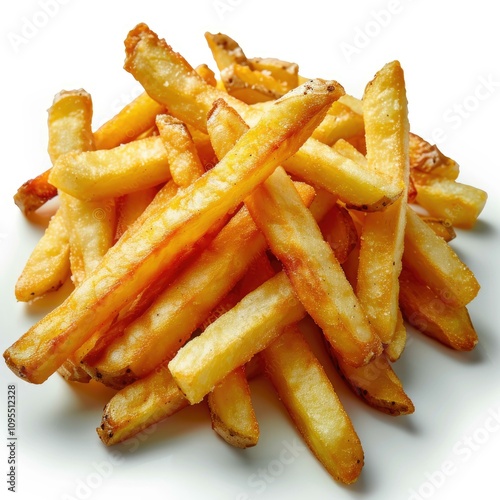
column 205, row 220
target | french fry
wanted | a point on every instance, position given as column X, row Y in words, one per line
column 431, row 314
column 231, row 410
column 382, row 236
column 395, row 348
column 284, row 71
column 427, row 158
column 129, row 123
column 47, row 268
column 235, row 337
column 458, row 204
column 109, row 173
column 132, row 263
column 307, row 393
column 432, row 260
column 168, row 323
column 149, row 401
column 189, row 98
column 312, row 268
column 184, row 162
column 225, row 50
column 35, row 193
column 377, row 384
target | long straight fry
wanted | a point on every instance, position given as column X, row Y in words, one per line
column 152, row 62
column 139, row 255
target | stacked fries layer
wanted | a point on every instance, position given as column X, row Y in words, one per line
column 204, row 221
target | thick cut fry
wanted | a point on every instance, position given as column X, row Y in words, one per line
column 48, row 265
column 235, row 337
column 34, row 193
column 458, row 204
column 109, row 173
column 395, row 348
column 382, row 237
column 432, row 260
column 312, row 268
column 377, row 384
column 129, row 123
column 184, row 162
column 284, row 71
column 152, row 62
column 307, row 393
column 225, row 50
column 140, row 255
column 231, row 410
column 90, row 225
column 139, row 406
column 432, row 315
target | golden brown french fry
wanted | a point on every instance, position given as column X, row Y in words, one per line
column 231, row 410
column 90, row 225
column 308, row 395
column 225, row 50
column 382, row 236
column 441, row 227
column 458, row 204
column 129, row 123
column 183, row 160
column 378, row 385
column 431, row 314
column 436, row 264
column 395, row 348
column 168, row 323
column 235, row 337
column 284, row 71
column 130, row 206
column 189, row 98
column 251, row 86
column 149, row 401
column 312, row 268
column 109, row 173
column 427, row 158
column 338, row 230
column 35, row 193
column 140, row 255
column 47, row 268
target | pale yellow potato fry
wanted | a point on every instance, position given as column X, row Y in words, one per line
column 183, row 160
column 315, row 273
column 225, row 50
column 284, row 71
column 431, row 314
column 152, row 62
column 129, row 123
column 387, row 128
column 140, row 255
column 47, row 268
column 109, row 173
column 308, row 395
column 235, row 337
column 458, row 204
column 231, row 410
column 432, row 260
column 147, row 401
column 341, row 122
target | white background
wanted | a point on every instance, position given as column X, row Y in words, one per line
column 448, row 50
